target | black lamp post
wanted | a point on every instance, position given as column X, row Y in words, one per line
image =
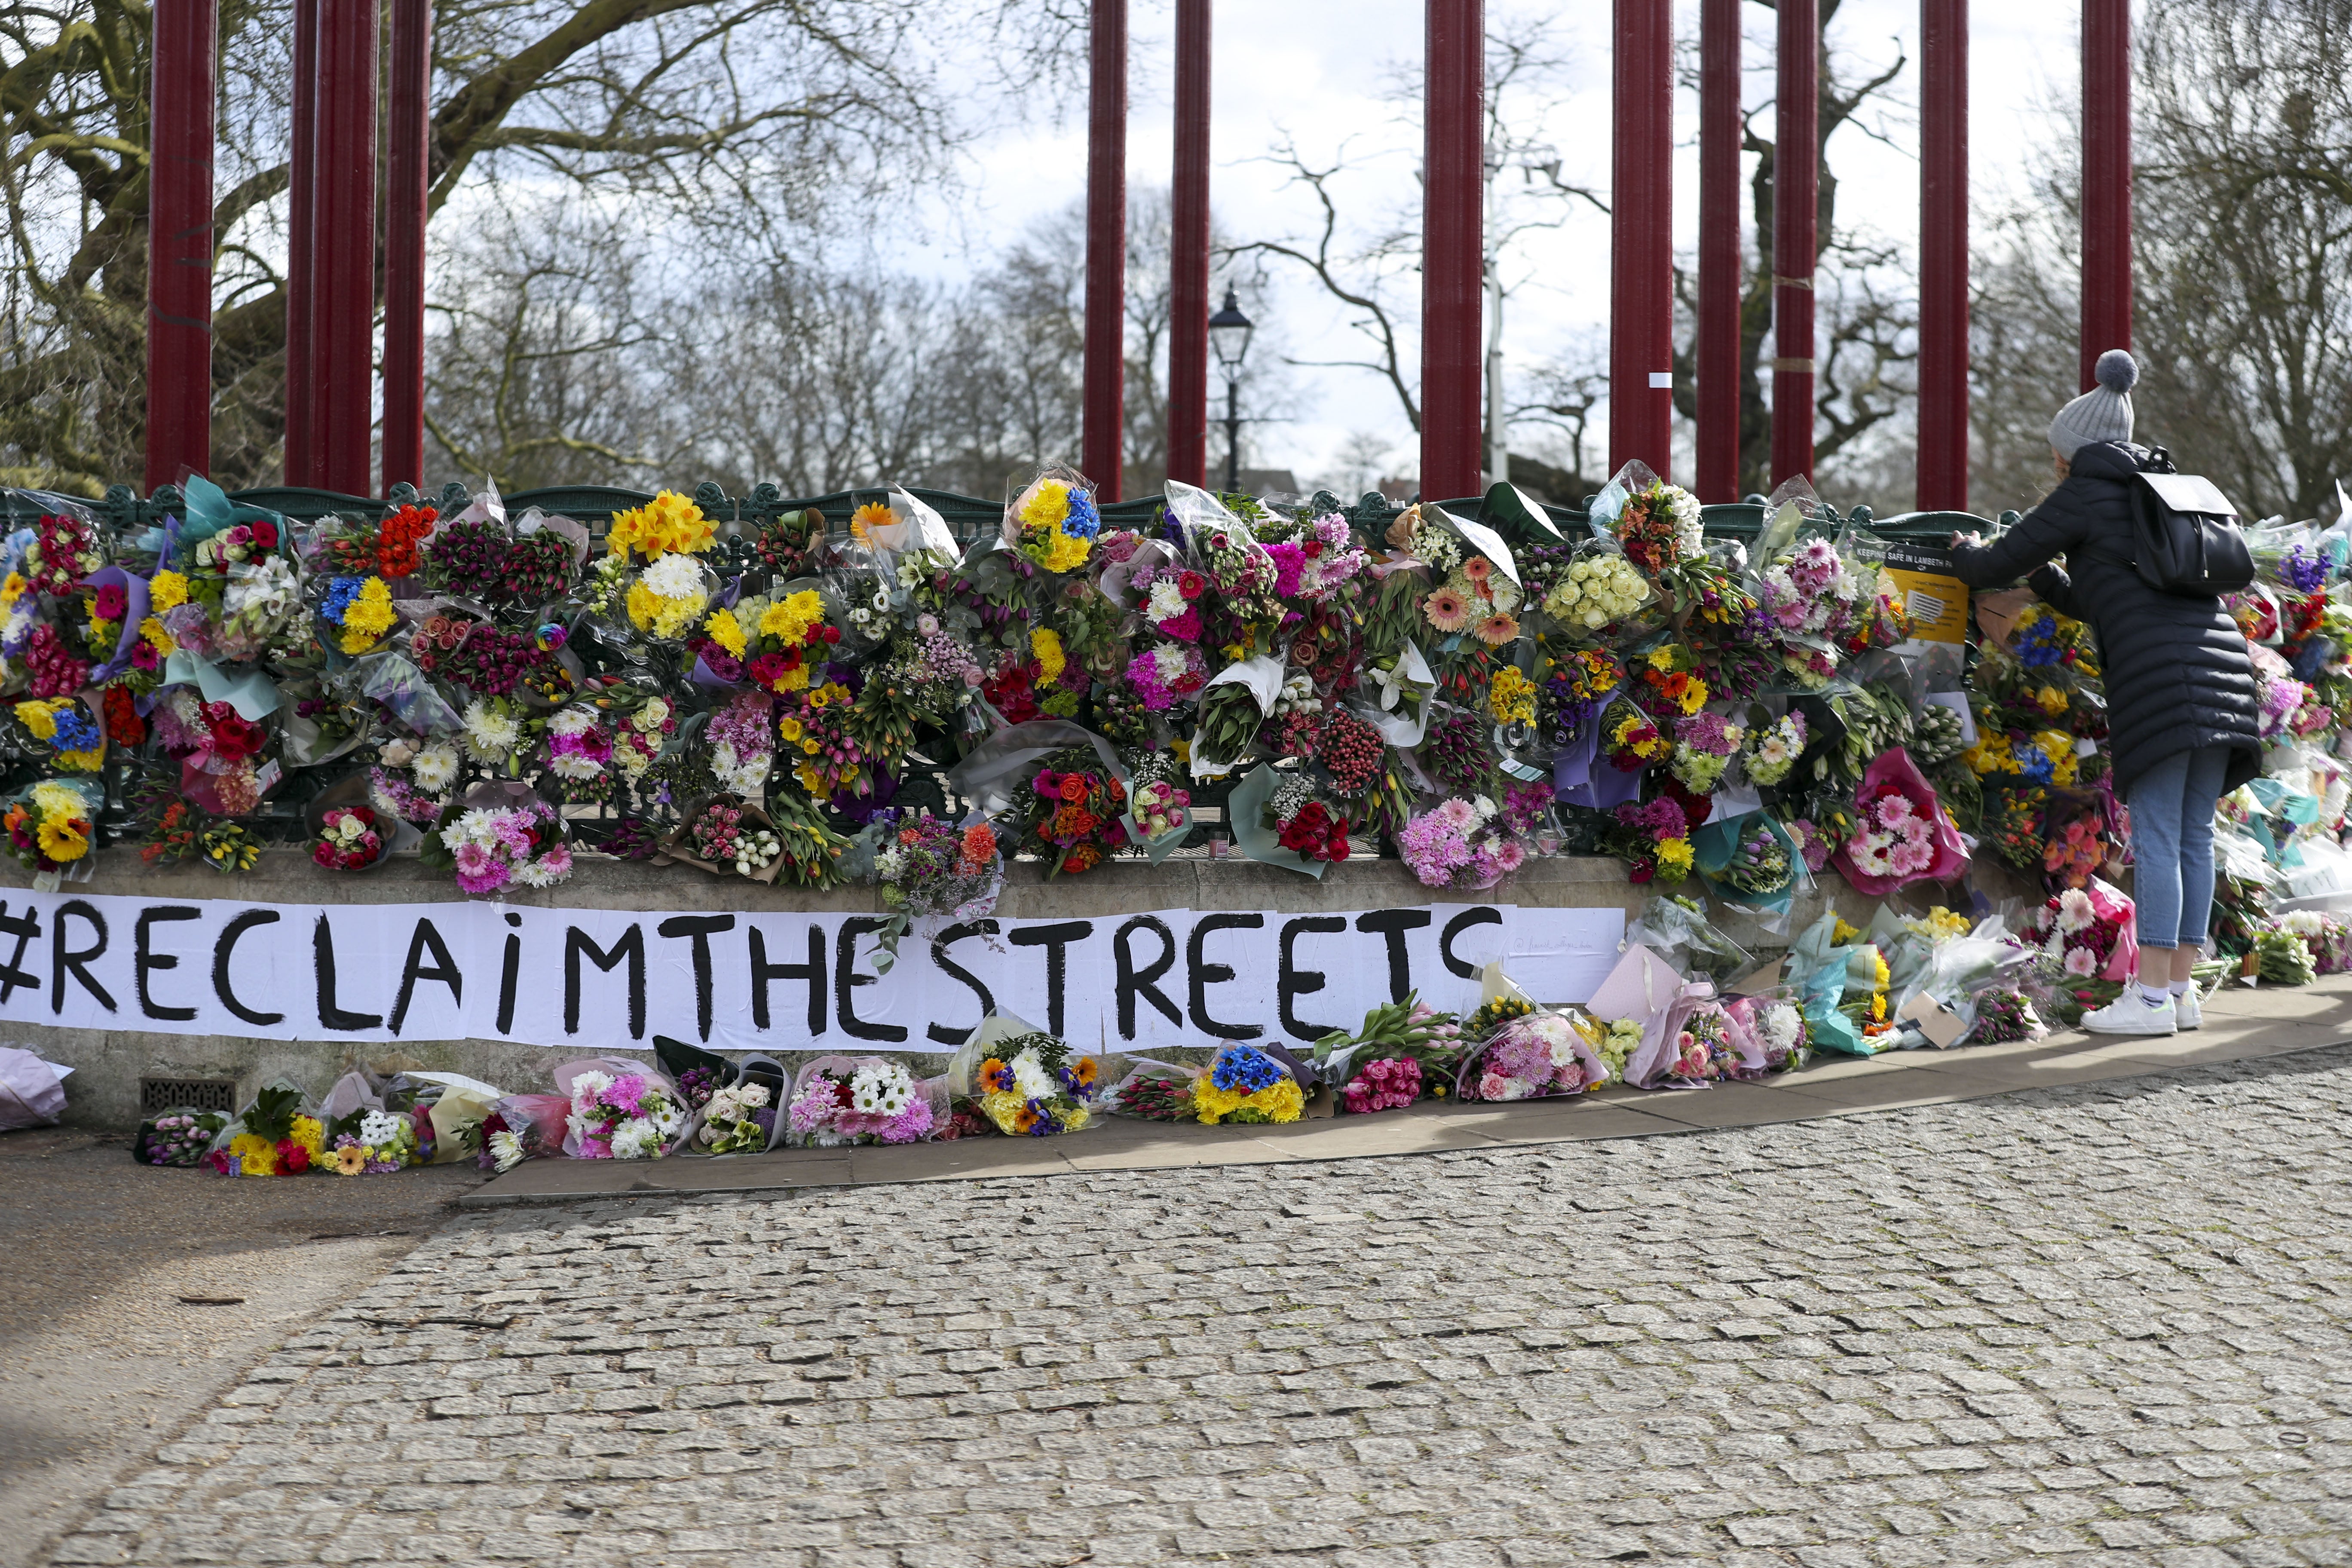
column 1229, row 334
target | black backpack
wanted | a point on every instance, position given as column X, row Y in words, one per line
column 2185, row 533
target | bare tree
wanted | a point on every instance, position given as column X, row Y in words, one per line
column 768, row 112
column 2242, row 185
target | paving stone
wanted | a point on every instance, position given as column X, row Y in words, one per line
column 2107, row 1323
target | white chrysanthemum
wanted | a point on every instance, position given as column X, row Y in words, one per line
column 490, row 734
column 1031, row 1079
column 882, row 1090
column 378, row 1128
column 574, row 766
column 536, row 874
column 506, row 1147
column 1170, row 660
column 435, row 767
column 589, row 1088
column 1781, row 1026
column 1167, row 600
column 577, row 720
column 1559, row 1039
column 636, row 1138
column 1690, row 535
column 675, row 576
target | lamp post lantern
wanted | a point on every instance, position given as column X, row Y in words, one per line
column 1229, row 334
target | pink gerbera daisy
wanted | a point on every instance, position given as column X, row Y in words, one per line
column 1446, row 610
column 1496, row 629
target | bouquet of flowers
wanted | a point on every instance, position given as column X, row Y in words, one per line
column 724, row 834
column 1760, row 865
column 670, row 523
column 1026, row 1082
column 1630, row 738
column 2085, row 934
column 621, row 1116
column 1477, row 598
column 1462, row 843
column 1773, row 1025
column 1900, row 834
column 1704, row 1050
column 1157, row 1093
column 1158, row 808
column 50, row 826
column 1405, row 1051
column 359, row 610
column 1073, row 820
column 844, row 1100
column 669, row 599
column 491, row 848
column 277, row 1136
column 1247, row 1085
column 1770, row 751
column 1590, row 593
column 736, row 1119
column 1652, row 836
column 1705, row 744
column 1536, row 1055
column 2282, row 958
column 2074, row 852
column 376, row 1141
column 2003, row 1014
column 522, row 1127
column 1302, row 823
column 1053, row 521
column 927, row 870
column 177, row 1139
column 64, row 550
column 1166, row 674
column 2325, row 937
column 347, row 840
column 63, row 728
column 1666, row 683
column 1660, row 527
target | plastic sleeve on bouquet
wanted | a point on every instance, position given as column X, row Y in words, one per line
column 1251, row 836
column 986, row 777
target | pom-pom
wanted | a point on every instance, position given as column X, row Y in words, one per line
column 2116, row 371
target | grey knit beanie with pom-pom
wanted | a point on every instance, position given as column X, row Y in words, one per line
column 2102, row 414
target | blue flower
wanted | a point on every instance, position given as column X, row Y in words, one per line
column 341, row 592
column 2039, row 646
column 1246, row 1069
column 2033, row 763
column 1084, row 522
column 75, row 731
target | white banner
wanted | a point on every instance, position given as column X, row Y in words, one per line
column 587, row 980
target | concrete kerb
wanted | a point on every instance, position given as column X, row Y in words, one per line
column 1979, row 1073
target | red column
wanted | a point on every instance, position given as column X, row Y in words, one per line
column 1796, row 208
column 1716, row 359
column 1640, row 245
column 407, row 124
column 301, row 254
column 1944, row 255
column 1187, row 261
column 1106, row 345
column 1454, row 169
column 343, row 325
column 2106, row 181
column 180, row 243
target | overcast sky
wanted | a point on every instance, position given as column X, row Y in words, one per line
column 1323, row 72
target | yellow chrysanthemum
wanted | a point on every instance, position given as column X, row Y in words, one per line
column 309, row 1134
column 1047, row 505
column 157, row 638
column 1064, row 553
column 1281, row 1101
column 1045, row 647
column 40, row 718
column 1845, row 932
column 789, row 620
column 168, row 591
column 725, row 630
column 367, row 618
column 794, row 680
column 254, row 1154
column 14, row 588
column 664, row 616
column 1673, row 855
column 669, row 523
column 873, row 514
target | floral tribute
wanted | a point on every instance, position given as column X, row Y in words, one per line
column 1246, row 1084
column 869, row 1100
column 628, row 1116
column 1034, row 1085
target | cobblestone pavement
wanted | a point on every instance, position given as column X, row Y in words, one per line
column 2108, row 1324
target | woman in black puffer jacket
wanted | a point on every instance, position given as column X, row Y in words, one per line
column 2184, row 721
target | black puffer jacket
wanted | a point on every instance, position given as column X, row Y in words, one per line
column 2176, row 669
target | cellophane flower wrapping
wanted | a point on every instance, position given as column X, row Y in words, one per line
column 839, row 1100
column 1248, row 1084
column 1537, row 1055
column 1027, row 1083
column 1902, row 834
column 621, row 1109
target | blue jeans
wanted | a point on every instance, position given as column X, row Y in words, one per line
column 2172, row 846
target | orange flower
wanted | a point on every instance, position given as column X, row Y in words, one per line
column 1084, row 1070
column 1073, row 822
column 1073, row 787
column 1497, row 629
column 1085, row 858
column 1024, row 1119
column 1477, row 568
column 1446, row 610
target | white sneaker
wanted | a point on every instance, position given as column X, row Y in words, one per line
column 2132, row 1013
column 2186, row 1013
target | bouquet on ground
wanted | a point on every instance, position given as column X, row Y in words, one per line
column 840, row 1100
column 736, row 1119
column 178, row 1139
column 278, row 1135
column 634, row 1114
column 1540, row 1054
column 2085, row 934
column 724, row 835
column 927, row 870
column 2004, row 1014
column 1026, row 1082
column 1248, row 1084
column 1405, row 1051
column 1156, row 1091
column 2327, row 938
column 522, row 1127
column 1772, row 1025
